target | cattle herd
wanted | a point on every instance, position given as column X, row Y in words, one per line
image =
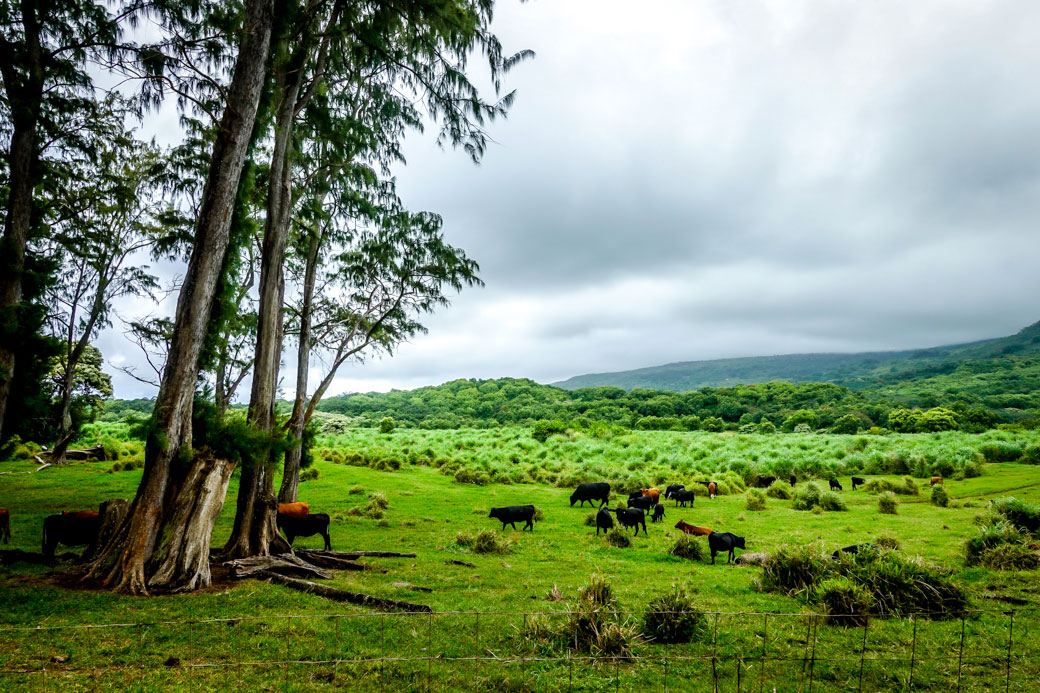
column 76, row 528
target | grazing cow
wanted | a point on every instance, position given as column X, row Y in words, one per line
column 672, row 488
column 682, row 498
column 591, row 492
column 857, row 481
column 658, row 513
column 724, row 541
column 5, row 524
column 298, row 509
column 764, row 481
column 511, row 514
column 635, row 494
column 692, row 529
column 604, row 521
column 69, row 528
column 642, row 502
column 935, row 481
column 308, row 525
column 835, row 486
column 631, row 517
column 793, row 480
column 854, row 549
column 712, row 488
column 652, row 493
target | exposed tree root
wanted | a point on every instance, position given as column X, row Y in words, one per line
column 338, row 595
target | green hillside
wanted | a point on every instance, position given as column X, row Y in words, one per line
column 867, row 370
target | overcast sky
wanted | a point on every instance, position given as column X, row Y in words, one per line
column 705, row 179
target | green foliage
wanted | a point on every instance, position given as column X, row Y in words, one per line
column 807, row 496
column 673, row 617
column 688, row 546
column 830, row 500
column 939, row 497
column 619, row 538
column 780, row 489
column 793, row 569
column 386, row 425
column 887, row 503
column 755, row 499
column 543, row 429
column 1011, row 557
column 847, row 424
column 987, row 537
column 845, row 602
column 1025, row 516
column 887, row 541
column 1000, row 451
column 937, row 419
column 904, row 420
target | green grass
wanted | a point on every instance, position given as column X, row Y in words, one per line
column 427, row 509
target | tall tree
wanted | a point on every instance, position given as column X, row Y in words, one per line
column 173, row 498
column 44, row 47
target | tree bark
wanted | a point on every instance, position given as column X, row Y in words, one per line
column 257, row 506
column 122, row 563
column 182, row 553
column 112, row 513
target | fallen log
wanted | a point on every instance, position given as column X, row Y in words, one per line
column 336, row 563
column 98, row 451
column 281, row 564
column 352, row 555
column 338, row 595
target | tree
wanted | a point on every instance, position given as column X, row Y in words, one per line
column 846, row 424
column 937, row 419
column 81, row 397
column 904, row 420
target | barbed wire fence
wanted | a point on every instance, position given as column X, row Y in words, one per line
column 754, row 651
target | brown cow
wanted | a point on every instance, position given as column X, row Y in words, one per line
column 936, row 480
column 298, row 509
column 5, row 524
column 712, row 488
column 692, row 529
column 653, row 493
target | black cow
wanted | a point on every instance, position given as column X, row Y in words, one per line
column 764, row 481
column 724, row 541
column 604, row 521
column 857, row 481
column 682, row 498
column 672, row 488
column 854, row 549
column 641, row 502
column 591, row 492
column 631, row 517
column 293, row 526
column 794, row 480
column 635, row 494
column 511, row 514
column 658, row 513
column 71, row 529
column 835, row 486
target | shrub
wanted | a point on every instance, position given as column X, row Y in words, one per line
column 1000, row 451
column 1011, row 557
column 543, row 429
column 803, row 428
column 597, row 591
column 673, row 618
column 793, row 569
column 846, row 424
column 488, row 541
column 767, row 427
column 886, row 503
column 386, row 425
column 355, row 491
column 688, row 546
column 845, row 602
column 464, row 539
column 1025, row 516
column 807, row 497
column 987, row 537
column 940, row 498
column 887, row 541
column 378, row 500
column 832, row 501
column 590, row 520
column 309, row 474
column 619, row 538
column 755, row 499
column 781, row 490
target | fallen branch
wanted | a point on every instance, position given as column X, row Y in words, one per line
column 455, row 562
column 338, row 595
column 352, row 555
column 284, row 563
column 334, row 563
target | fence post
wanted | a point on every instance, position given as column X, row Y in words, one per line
column 913, row 654
column 863, row 655
column 960, row 655
column 1011, row 634
column 765, row 643
column 714, row 651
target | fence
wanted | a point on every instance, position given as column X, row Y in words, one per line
column 747, row 651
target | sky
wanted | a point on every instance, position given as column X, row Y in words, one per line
column 705, row 179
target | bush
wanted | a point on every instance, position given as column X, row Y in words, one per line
column 1011, row 557
column 781, row 490
column 386, row 425
column 1000, row 451
column 309, row 474
column 940, row 498
column 802, row 428
column 673, row 617
column 807, row 497
column 847, row 424
column 987, row 537
column 886, row 503
column 755, row 499
column 688, row 546
column 378, row 501
column 597, row 591
column 845, row 602
column 543, row 429
column 488, row 541
column 887, row 541
column 1025, row 516
column 619, row 538
column 793, row 569
column 832, row 501
column 590, row 520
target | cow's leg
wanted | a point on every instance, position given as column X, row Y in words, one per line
column 713, row 556
column 328, row 541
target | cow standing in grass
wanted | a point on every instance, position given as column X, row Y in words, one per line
column 631, row 517
column 598, row 491
column 720, row 542
column 308, row 525
column 511, row 514
column 70, row 528
column 604, row 521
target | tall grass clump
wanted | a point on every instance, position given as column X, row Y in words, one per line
column 593, row 624
column 845, row 602
column 673, row 617
column 780, row 490
column 793, row 570
column 689, row 547
column 908, row 487
column 886, row 503
column 939, row 497
column 755, row 499
column 832, row 501
column 618, row 538
column 807, row 497
column 1025, row 516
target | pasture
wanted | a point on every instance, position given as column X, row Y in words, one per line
column 427, row 509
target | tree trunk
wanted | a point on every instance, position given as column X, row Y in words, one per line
column 294, row 455
column 122, row 563
column 257, row 506
column 182, row 552
column 65, row 432
column 112, row 513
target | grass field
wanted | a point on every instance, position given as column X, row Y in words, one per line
column 428, row 508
